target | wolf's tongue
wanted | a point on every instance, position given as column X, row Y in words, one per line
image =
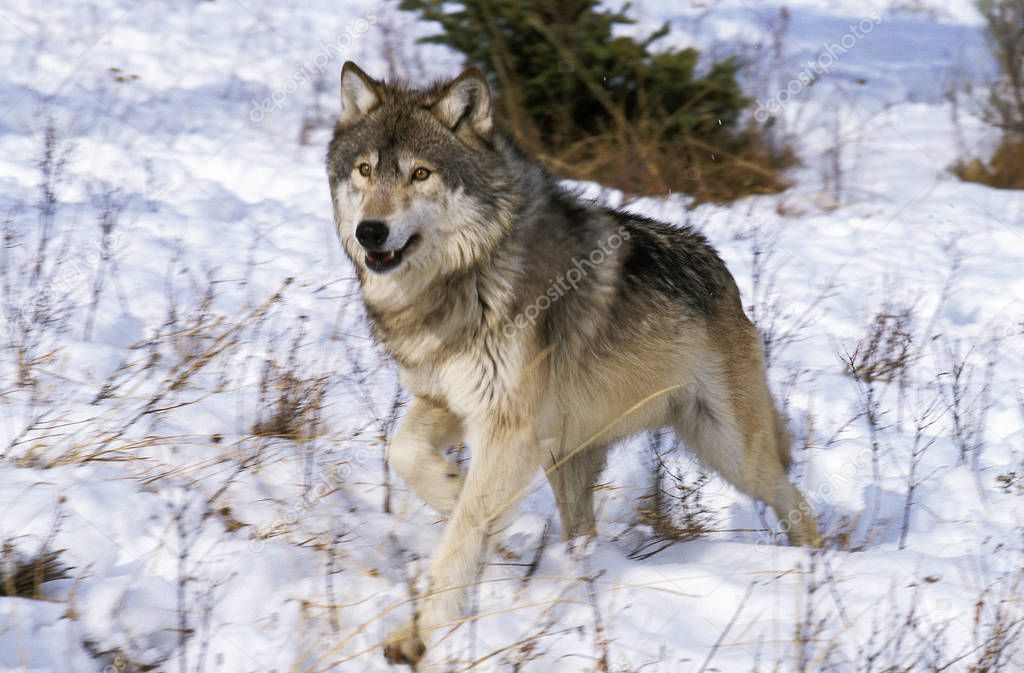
column 381, row 256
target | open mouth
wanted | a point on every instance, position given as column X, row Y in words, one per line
column 381, row 261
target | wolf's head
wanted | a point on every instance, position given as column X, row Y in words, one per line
column 419, row 178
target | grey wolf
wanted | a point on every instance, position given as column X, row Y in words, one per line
column 538, row 328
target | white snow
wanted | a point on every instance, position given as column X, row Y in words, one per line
column 134, row 455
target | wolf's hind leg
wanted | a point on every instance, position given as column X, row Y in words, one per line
column 415, row 453
column 573, row 484
column 746, row 454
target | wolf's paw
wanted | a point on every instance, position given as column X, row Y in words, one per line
column 805, row 534
column 404, row 646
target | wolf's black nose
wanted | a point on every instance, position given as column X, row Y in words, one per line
column 371, row 234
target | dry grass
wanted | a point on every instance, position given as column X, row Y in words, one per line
column 639, row 162
column 673, row 508
column 24, row 576
column 1012, row 481
column 291, row 402
column 887, row 351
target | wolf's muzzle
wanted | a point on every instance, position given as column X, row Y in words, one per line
column 372, row 234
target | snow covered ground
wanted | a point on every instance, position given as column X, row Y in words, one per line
column 189, row 285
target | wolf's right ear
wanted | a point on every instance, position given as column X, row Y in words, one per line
column 359, row 93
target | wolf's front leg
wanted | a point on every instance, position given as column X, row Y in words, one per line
column 415, row 453
column 499, row 475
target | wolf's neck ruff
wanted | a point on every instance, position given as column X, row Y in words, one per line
column 440, row 314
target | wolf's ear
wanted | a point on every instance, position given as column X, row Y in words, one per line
column 466, row 102
column 359, row 93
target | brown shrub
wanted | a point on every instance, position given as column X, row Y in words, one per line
column 1005, row 170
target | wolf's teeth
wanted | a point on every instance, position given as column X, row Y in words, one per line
column 381, row 256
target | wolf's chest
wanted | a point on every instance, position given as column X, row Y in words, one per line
column 469, row 384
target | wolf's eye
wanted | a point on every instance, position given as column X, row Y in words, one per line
column 420, row 174
column 364, row 169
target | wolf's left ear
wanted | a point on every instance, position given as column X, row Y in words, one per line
column 466, row 102
column 359, row 93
